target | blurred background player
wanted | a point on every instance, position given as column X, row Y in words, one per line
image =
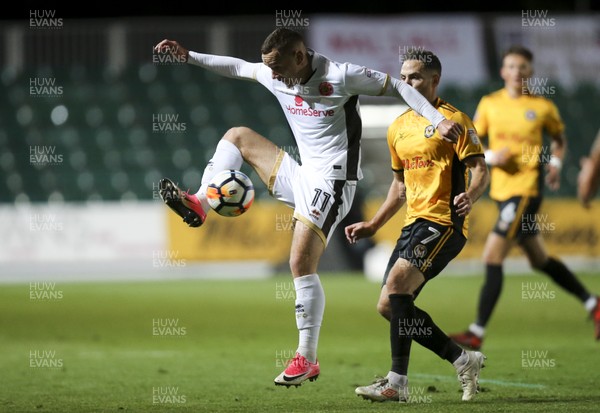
column 514, row 120
column 588, row 179
column 320, row 100
column 432, row 177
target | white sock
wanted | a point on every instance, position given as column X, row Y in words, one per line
column 226, row 156
column 477, row 330
column 310, row 306
column 397, row 379
column 590, row 303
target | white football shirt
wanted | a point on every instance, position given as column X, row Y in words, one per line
column 323, row 113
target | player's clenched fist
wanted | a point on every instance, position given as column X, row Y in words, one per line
column 173, row 48
column 449, row 130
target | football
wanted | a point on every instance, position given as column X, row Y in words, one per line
column 230, row 193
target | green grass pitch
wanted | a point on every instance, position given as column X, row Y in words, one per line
column 216, row 346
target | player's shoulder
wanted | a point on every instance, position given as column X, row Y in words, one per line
column 542, row 104
column 541, row 99
column 452, row 112
column 400, row 120
column 446, row 106
column 401, row 117
column 495, row 95
column 321, row 60
column 329, row 68
column 347, row 69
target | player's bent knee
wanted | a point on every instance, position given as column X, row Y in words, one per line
column 237, row 134
column 538, row 264
column 492, row 258
column 400, row 285
column 384, row 309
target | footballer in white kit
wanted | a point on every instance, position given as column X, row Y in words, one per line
column 324, row 116
column 320, row 100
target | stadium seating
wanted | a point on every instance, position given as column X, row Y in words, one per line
column 110, row 149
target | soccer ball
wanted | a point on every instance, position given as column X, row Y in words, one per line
column 230, row 193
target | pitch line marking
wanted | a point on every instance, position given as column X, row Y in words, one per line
column 483, row 381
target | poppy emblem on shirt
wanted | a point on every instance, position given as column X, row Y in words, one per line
column 530, row 115
column 429, row 131
column 325, row 89
column 298, row 100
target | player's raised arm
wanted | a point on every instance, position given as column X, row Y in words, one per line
column 448, row 130
column 227, row 66
column 364, row 81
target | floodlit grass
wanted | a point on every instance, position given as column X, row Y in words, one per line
column 210, row 346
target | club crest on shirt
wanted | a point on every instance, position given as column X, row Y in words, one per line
column 325, row 89
column 420, row 250
column 429, row 131
column 530, row 115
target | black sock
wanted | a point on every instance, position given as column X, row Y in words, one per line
column 434, row 338
column 402, row 325
column 490, row 292
column 565, row 278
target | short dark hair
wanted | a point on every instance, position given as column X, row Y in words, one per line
column 519, row 50
column 282, row 39
column 429, row 59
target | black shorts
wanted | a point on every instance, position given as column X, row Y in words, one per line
column 517, row 217
column 427, row 246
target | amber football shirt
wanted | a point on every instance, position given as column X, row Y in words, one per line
column 433, row 169
column 517, row 124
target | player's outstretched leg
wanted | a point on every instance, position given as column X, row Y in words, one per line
column 298, row 370
column 383, row 390
column 184, row 204
column 468, row 366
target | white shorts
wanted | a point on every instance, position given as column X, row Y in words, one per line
column 319, row 203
